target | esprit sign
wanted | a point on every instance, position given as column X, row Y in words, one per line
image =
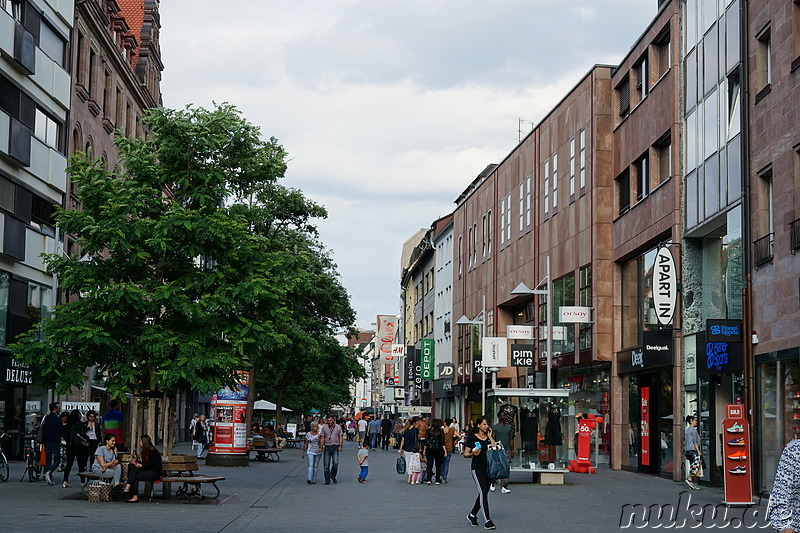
column 575, row 315
column 665, row 284
column 519, row 332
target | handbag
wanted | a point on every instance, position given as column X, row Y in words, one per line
column 392, row 442
column 99, row 491
column 401, row 465
column 498, row 463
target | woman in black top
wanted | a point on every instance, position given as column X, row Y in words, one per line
column 75, row 436
column 478, row 442
column 149, row 469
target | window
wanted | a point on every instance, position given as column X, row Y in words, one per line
column 469, row 247
column 92, row 72
column 483, row 236
column 521, row 206
column 663, row 53
column 624, row 192
column 107, row 95
column 502, row 220
column 765, row 216
column 572, row 168
column 641, row 80
column 585, row 300
column 528, row 201
column 734, row 106
column 120, row 109
column 460, row 255
column 583, row 159
column 39, row 303
column 489, row 232
column 763, row 60
column 42, row 215
column 7, row 194
column 474, row 243
column 48, row 130
column 663, row 152
column 624, row 97
column 641, row 167
column 53, row 44
column 546, row 187
column 555, row 182
column 12, row 7
column 508, row 218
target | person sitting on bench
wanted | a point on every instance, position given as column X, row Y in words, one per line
column 149, row 469
column 106, row 464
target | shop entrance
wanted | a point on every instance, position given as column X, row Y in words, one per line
column 12, row 419
column 715, row 392
column 649, row 413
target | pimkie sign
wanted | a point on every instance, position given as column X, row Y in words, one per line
column 665, row 286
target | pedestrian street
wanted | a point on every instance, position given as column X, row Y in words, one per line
column 274, row 497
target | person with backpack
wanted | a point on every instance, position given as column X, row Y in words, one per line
column 435, row 450
column 200, row 435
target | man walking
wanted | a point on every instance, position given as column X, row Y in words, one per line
column 386, row 432
column 362, row 430
column 113, row 422
column 333, row 438
column 504, row 434
column 53, row 432
column 449, row 434
column 374, row 431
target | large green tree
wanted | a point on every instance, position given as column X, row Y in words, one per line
column 187, row 259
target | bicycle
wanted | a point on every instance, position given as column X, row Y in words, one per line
column 3, row 460
column 32, row 467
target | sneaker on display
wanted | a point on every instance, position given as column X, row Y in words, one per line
column 738, row 456
column 738, row 470
column 738, row 441
column 736, row 428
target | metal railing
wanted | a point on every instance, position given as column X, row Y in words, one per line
column 794, row 233
column 762, row 250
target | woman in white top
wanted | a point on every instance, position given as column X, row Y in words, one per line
column 94, row 433
column 313, row 448
column 106, row 464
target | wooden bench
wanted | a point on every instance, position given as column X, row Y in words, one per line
column 294, row 443
column 544, row 476
column 181, row 469
column 265, row 450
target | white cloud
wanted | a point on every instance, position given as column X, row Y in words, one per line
column 388, row 109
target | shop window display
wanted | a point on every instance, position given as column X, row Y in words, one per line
column 779, row 384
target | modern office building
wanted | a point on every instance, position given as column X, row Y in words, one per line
column 34, row 117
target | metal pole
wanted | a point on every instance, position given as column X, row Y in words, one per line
column 549, row 322
column 483, row 368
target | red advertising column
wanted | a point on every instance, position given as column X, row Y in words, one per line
column 229, row 419
column 736, row 457
column 644, row 433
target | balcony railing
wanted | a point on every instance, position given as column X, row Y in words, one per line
column 762, row 250
column 794, row 233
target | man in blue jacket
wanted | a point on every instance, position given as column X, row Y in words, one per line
column 53, row 432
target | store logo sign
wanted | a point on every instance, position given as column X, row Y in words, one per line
column 716, row 355
column 665, row 284
column 637, row 358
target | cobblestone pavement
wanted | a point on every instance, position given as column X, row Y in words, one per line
column 274, row 497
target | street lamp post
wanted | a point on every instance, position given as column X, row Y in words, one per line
column 464, row 321
column 524, row 290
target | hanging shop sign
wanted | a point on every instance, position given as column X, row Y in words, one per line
column 384, row 336
column 14, row 371
column 644, row 433
column 413, row 367
column 720, row 358
column 398, row 351
column 519, row 332
column 447, row 371
column 736, row 450
column 229, row 415
column 495, row 352
column 574, row 315
column 428, row 357
column 724, row 330
column 559, row 333
column 523, row 354
column 665, row 286
column 656, row 352
column 83, row 407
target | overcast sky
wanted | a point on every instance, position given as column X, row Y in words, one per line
column 388, row 108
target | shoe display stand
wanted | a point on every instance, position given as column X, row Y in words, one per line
column 736, row 457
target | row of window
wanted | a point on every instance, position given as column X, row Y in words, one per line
column 26, row 206
column 38, row 121
column 646, row 72
column 650, row 170
column 22, row 303
column 424, row 328
column 45, row 35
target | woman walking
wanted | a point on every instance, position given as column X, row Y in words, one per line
column 408, row 441
column 200, row 435
column 75, row 438
column 435, row 450
column 477, row 445
column 313, row 448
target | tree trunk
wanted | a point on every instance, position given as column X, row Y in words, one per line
column 133, row 437
column 279, row 403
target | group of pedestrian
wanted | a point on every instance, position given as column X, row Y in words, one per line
column 74, row 439
column 325, row 442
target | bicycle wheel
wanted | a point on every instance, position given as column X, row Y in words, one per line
column 3, row 467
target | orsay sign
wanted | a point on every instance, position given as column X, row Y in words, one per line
column 665, row 285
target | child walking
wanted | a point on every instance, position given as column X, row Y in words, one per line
column 363, row 460
column 416, row 466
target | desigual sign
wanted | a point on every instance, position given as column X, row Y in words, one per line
column 665, row 284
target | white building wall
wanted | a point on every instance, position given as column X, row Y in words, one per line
column 443, row 304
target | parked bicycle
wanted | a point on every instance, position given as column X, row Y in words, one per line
column 3, row 460
column 32, row 467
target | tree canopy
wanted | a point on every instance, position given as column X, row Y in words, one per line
column 194, row 262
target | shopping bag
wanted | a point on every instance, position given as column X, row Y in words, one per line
column 498, row 463
column 401, row 465
column 99, row 492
